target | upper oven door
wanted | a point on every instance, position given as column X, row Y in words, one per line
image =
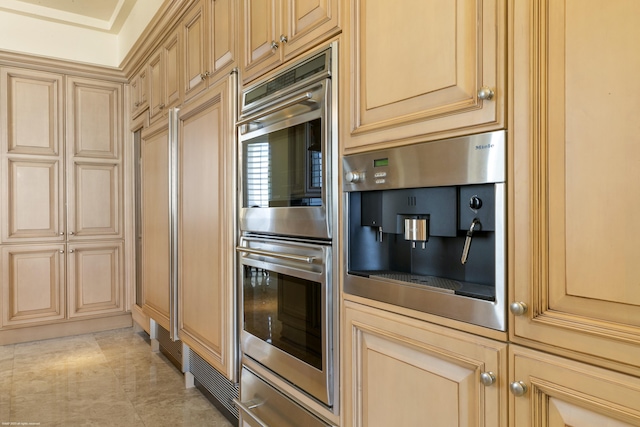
column 283, row 156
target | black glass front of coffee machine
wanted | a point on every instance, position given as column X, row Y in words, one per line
column 379, row 245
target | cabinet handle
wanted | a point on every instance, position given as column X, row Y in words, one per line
column 274, row 45
column 61, row 251
column 485, row 93
column 161, row 106
column 71, row 251
column 488, row 378
column 204, row 75
column 283, row 38
column 518, row 388
column 61, row 233
column 518, row 308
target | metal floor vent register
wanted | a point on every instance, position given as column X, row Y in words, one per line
column 223, row 390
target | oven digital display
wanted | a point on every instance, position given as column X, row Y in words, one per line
column 380, row 162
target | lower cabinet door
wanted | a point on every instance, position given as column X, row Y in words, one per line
column 95, row 277
column 551, row 391
column 32, row 284
column 400, row 371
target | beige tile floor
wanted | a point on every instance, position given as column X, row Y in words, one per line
column 101, row 379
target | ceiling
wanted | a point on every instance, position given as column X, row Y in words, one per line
column 100, row 15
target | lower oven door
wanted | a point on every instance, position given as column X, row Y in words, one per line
column 286, row 295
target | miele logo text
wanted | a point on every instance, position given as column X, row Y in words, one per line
column 484, row 147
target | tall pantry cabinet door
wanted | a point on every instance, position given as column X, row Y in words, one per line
column 576, row 146
column 206, row 217
column 156, row 224
column 415, row 72
column 94, row 159
column 32, row 284
column 32, row 141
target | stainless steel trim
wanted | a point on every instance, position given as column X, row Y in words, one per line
column 475, row 159
column 173, row 223
column 308, row 259
column 305, row 97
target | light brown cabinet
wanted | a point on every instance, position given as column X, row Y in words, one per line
column 32, row 143
column 424, row 71
column 402, row 371
column 156, row 251
column 210, row 37
column 61, row 161
column 163, row 71
column 575, row 177
column 206, row 238
column 275, row 31
column 138, row 96
column 33, row 284
column 553, row 391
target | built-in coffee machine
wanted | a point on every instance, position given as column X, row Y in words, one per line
column 426, row 227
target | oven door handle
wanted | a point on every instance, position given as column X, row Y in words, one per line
column 305, row 97
column 301, row 258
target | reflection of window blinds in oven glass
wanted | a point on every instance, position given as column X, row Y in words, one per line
column 257, row 175
column 316, row 169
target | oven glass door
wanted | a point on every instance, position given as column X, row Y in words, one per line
column 285, row 322
column 283, row 167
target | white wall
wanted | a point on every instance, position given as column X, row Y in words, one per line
column 24, row 34
column 140, row 16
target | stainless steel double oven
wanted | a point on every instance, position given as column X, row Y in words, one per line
column 288, row 212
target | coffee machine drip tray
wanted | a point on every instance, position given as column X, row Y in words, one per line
column 441, row 284
column 432, row 283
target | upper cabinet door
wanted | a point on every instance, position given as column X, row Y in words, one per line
column 31, row 106
column 195, row 48
column 260, row 36
column 94, row 119
column 577, row 150
column 307, row 22
column 425, row 70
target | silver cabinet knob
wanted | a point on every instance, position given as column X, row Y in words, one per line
column 61, row 233
column 61, row 251
column 518, row 388
column 274, row 45
column 488, row 378
column 485, row 93
column 283, row 38
column 71, row 251
column 518, row 308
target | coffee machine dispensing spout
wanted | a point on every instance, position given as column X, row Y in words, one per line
column 475, row 225
column 416, row 230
